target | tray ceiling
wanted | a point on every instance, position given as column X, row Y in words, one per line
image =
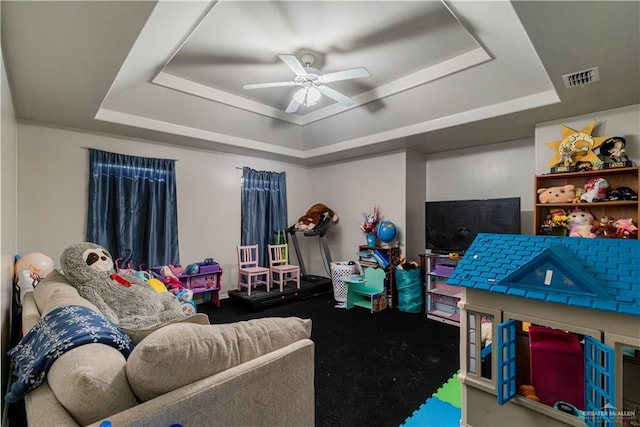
column 173, row 71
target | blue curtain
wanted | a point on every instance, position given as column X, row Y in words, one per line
column 133, row 208
column 264, row 208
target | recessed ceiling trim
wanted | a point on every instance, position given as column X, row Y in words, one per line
column 507, row 107
column 203, row 91
column 459, row 63
column 445, row 68
column 175, row 129
column 519, row 104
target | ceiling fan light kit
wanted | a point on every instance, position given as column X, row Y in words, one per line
column 312, row 83
column 307, row 96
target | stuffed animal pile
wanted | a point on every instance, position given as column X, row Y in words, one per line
column 126, row 300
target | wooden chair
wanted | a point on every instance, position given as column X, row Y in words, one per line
column 367, row 291
column 250, row 271
column 281, row 270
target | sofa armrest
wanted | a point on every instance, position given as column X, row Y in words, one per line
column 44, row 410
column 274, row 389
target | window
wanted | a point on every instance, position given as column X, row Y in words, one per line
column 132, row 208
column 264, row 209
column 479, row 343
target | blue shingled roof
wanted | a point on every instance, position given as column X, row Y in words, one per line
column 603, row 274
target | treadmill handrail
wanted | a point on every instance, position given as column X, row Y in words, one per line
column 319, row 230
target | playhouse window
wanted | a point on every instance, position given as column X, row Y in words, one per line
column 558, row 368
column 479, row 343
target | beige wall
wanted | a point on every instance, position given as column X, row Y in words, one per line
column 416, row 187
column 8, row 212
column 355, row 187
column 53, row 182
column 499, row 170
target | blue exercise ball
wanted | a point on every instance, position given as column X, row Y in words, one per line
column 387, row 231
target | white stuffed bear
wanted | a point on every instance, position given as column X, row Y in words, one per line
column 124, row 299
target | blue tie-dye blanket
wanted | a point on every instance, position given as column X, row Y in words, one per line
column 59, row 331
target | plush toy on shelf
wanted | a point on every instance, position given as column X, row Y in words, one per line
column 563, row 194
column 626, row 229
column 314, row 215
column 580, row 223
column 604, row 227
column 595, row 190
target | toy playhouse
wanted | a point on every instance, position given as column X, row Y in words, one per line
column 550, row 331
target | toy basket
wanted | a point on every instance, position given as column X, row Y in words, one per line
column 339, row 272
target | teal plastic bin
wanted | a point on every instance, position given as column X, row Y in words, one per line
column 410, row 290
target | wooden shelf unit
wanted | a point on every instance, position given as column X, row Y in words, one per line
column 627, row 177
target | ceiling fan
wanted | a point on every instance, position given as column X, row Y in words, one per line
column 312, row 82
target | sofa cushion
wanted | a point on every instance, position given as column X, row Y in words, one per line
column 55, row 291
column 180, row 354
column 90, row 381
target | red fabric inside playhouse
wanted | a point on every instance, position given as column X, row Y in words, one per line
column 556, row 366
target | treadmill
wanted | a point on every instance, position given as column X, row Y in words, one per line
column 319, row 230
column 310, row 285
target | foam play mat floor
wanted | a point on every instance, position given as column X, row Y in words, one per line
column 442, row 409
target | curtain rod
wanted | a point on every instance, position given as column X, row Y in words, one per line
column 89, row 148
column 242, row 168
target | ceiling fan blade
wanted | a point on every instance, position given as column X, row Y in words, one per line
column 336, row 96
column 263, row 85
column 293, row 106
column 354, row 73
column 293, row 63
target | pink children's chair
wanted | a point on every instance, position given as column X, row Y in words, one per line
column 250, row 274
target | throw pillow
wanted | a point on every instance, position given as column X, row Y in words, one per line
column 90, row 381
column 195, row 351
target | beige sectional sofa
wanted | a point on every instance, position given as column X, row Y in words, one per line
column 258, row 372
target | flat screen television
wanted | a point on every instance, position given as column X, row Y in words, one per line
column 452, row 225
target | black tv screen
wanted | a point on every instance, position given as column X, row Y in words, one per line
column 452, row 225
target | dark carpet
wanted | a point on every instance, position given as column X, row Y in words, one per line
column 373, row 369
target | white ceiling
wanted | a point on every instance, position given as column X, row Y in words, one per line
column 443, row 75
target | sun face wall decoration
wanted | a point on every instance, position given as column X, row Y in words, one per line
column 575, row 146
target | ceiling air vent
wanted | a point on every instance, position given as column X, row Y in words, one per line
column 581, row 78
